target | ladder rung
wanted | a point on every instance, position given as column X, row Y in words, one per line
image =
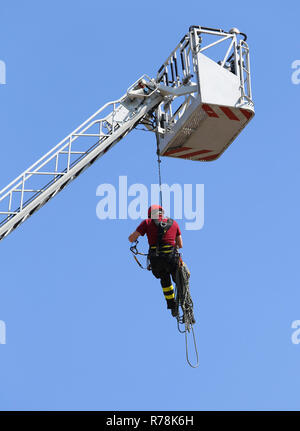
column 94, row 135
column 72, row 152
column 27, row 190
column 46, row 173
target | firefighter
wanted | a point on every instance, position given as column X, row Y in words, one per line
column 164, row 239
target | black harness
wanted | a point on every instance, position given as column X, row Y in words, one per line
column 162, row 229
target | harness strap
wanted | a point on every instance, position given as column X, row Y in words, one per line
column 164, row 249
column 135, row 252
column 162, row 229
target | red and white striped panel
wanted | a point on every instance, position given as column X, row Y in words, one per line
column 238, row 117
column 191, row 154
column 237, row 114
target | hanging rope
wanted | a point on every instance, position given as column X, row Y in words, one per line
column 184, row 299
column 159, row 170
column 187, row 350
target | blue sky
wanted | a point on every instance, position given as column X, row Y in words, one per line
column 86, row 328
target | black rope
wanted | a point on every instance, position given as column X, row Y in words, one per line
column 135, row 252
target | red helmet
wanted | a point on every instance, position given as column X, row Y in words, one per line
column 154, row 211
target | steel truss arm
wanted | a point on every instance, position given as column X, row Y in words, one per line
column 70, row 157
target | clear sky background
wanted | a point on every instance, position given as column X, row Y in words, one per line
column 86, row 328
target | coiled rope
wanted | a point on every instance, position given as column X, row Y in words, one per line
column 184, row 299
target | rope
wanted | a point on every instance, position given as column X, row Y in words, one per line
column 135, row 252
column 182, row 288
column 159, row 170
column 187, row 350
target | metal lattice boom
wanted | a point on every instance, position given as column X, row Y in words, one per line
column 199, row 105
column 70, row 157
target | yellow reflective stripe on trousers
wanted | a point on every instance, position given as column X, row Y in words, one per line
column 170, row 296
column 168, row 289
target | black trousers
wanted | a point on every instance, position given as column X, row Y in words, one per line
column 164, row 266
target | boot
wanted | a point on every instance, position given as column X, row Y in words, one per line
column 174, row 311
column 171, row 303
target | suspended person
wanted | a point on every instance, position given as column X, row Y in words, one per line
column 164, row 239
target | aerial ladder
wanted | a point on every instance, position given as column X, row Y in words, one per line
column 198, row 103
